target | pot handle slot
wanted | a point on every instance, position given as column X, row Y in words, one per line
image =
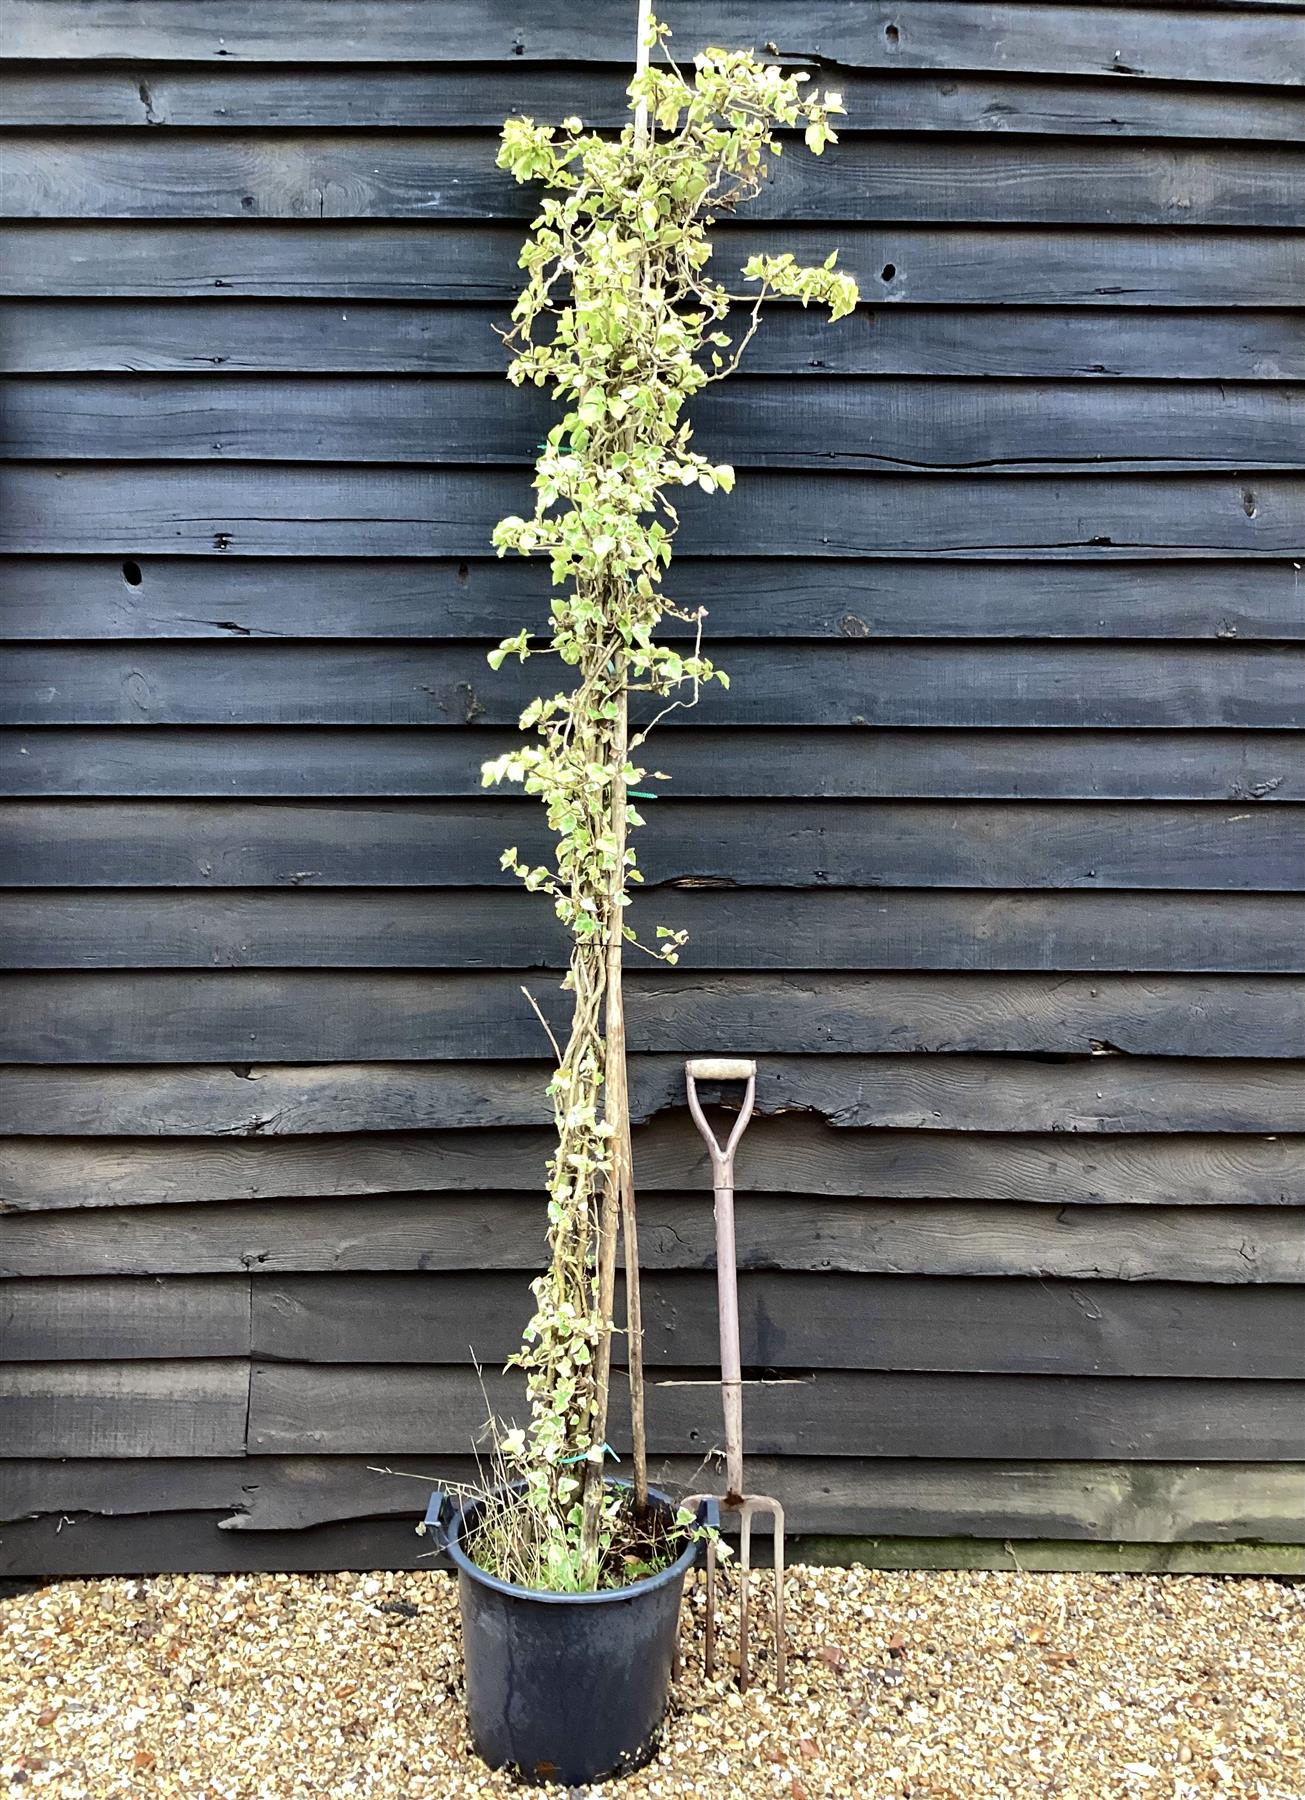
column 436, row 1520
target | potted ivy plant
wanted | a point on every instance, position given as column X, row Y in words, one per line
column 570, row 1580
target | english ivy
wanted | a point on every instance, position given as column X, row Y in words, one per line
column 623, row 321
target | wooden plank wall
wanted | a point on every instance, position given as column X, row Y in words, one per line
column 993, row 854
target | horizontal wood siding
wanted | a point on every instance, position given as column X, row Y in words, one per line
column 993, row 855
column 1130, row 1502
column 906, row 265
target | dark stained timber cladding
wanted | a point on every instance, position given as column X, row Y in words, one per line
column 108, row 1408
column 1229, row 1245
column 917, row 1093
column 993, row 854
column 1149, row 42
column 292, row 509
column 896, row 264
column 840, row 844
column 134, row 1319
column 369, row 1014
column 757, row 422
column 214, row 1008
column 62, row 598
column 389, row 1409
column 376, row 762
column 397, row 96
column 796, row 1155
column 789, row 1321
column 191, row 1542
column 811, row 1321
column 862, row 682
column 64, row 336
column 119, row 336
column 915, row 180
column 1216, row 1502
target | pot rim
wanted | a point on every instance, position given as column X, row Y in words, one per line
column 646, row 1584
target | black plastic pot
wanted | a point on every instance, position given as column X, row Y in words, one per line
column 564, row 1687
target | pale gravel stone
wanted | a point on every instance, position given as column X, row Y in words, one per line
column 906, row 1686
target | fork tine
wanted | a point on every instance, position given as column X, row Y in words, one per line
column 709, row 1658
column 745, row 1565
column 781, row 1637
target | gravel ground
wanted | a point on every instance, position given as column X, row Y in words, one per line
column 954, row 1686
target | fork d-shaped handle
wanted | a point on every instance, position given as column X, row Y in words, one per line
column 721, row 1068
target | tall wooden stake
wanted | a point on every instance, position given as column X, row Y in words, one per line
column 641, row 54
column 616, row 1023
column 618, row 1192
column 617, row 1112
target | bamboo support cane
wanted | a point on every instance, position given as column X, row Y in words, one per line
column 629, row 1225
column 618, row 1191
column 617, row 1108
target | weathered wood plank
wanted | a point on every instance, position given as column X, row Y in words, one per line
column 892, row 262
column 257, row 509
column 1061, row 686
column 66, row 1544
column 373, row 1016
column 391, row 1409
column 376, row 762
column 690, row 843
column 826, row 1321
column 97, row 597
column 1119, row 1502
column 399, row 96
column 1113, row 1502
column 1047, row 1555
column 318, row 337
column 908, row 1093
column 1226, row 1244
column 907, row 178
column 1144, row 42
column 755, row 422
column 105, row 1321
column 120, row 1487
column 193, row 1408
column 791, row 1155
column 188, row 1543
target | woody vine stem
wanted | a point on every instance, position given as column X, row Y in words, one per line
column 622, row 321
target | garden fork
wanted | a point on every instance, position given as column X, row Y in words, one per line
column 731, row 1370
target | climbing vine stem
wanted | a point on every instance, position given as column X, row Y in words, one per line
column 623, row 321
